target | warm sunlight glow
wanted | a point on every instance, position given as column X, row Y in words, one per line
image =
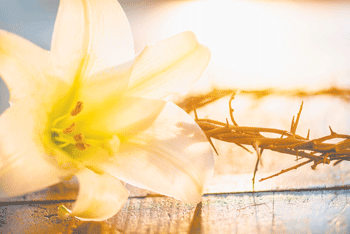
column 258, row 44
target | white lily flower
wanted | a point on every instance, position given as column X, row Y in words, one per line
column 89, row 108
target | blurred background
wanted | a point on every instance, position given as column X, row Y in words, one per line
column 282, row 48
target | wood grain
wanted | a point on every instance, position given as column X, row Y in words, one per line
column 314, row 211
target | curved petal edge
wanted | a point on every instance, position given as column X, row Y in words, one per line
column 168, row 67
column 172, row 157
column 100, row 197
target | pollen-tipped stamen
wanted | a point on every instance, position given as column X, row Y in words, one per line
column 82, row 146
column 62, row 138
column 77, row 109
column 70, row 129
column 79, row 137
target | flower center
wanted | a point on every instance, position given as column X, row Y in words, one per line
column 67, row 136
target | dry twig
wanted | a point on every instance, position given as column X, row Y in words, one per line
column 316, row 151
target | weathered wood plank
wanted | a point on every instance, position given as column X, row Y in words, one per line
column 66, row 190
column 319, row 211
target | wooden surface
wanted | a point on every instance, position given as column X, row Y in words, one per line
column 308, row 211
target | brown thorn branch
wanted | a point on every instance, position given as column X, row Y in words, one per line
column 255, row 145
column 295, row 125
column 212, row 145
column 286, row 170
column 231, row 110
column 245, row 148
column 337, row 162
column 195, row 114
column 292, row 124
column 286, row 142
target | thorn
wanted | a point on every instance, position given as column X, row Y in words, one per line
column 212, row 145
column 232, row 96
column 308, row 135
column 332, row 132
column 256, row 147
column 292, row 125
column 337, row 162
column 242, row 146
column 228, row 125
column 232, row 110
column 261, row 152
column 295, row 125
column 195, row 114
column 297, row 155
column 286, row 170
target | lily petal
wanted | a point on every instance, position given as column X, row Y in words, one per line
column 22, row 65
column 97, row 29
column 108, row 83
column 172, row 157
column 122, row 116
column 100, row 196
column 24, row 165
column 168, row 67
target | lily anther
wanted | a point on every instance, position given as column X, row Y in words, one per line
column 62, row 137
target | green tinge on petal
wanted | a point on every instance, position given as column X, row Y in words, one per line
column 100, row 196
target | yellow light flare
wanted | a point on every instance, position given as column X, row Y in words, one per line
column 262, row 44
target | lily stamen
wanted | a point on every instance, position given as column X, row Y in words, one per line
column 79, row 137
column 82, row 146
column 64, row 144
column 61, row 139
column 59, row 119
column 77, row 109
column 70, row 129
